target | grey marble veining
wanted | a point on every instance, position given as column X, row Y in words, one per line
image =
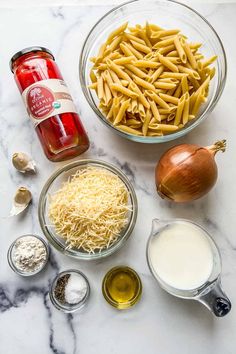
column 159, row 324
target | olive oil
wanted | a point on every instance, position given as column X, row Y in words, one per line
column 122, row 287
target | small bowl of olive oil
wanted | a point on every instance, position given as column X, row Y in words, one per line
column 122, row 287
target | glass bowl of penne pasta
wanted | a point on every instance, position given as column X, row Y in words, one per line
column 152, row 70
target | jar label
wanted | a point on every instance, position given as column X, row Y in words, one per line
column 47, row 98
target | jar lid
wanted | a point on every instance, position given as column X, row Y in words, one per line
column 28, row 50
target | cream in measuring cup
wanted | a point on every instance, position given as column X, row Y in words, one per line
column 186, row 262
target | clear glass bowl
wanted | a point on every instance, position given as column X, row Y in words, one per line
column 11, row 259
column 55, row 182
column 68, row 308
column 122, row 287
column 169, row 14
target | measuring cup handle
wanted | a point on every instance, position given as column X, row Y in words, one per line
column 221, row 306
column 216, row 300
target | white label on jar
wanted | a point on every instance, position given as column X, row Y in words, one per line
column 46, row 98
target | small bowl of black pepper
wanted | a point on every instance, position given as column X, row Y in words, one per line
column 69, row 291
column 28, row 255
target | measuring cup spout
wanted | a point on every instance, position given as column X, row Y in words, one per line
column 214, row 298
column 157, row 224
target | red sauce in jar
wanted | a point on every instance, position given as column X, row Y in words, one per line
column 49, row 104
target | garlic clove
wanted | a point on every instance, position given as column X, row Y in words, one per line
column 23, row 163
column 22, row 199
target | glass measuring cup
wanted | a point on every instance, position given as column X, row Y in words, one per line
column 210, row 292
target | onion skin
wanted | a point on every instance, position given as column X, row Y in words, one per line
column 187, row 172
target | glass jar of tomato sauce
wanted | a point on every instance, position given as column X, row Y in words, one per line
column 49, row 104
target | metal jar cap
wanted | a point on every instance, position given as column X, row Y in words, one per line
column 28, row 50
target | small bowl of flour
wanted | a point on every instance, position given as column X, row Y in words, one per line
column 28, row 255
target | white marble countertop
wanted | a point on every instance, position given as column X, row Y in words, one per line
column 160, row 323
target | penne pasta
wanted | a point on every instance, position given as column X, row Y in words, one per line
column 141, row 47
column 124, row 90
column 143, row 83
column 168, row 98
column 129, row 130
column 209, row 61
column 164, row 85
column 116, row 32
column 101, row 53
column 194, row 82
column 173, row 53
column 146, row 122
column 191, row 72
column 157, row 73
column 110, row 112
column 143, row 35
column 100, row 88
column 136, row 71
column 179, row 110
column 146, row 64
column 199, row 100
column 134, row 51
column 186, row 109
column 150, row 81
column 126, row 51
column 175, row 60
column 164, row 33
column 93, row 86
column 155, row 111
column 92, row 76
column 114, row 45
column 121, row 73
column 166, row 127
column 195, row 45
column 148, row 30
column 168, row 74
column 184, row 84
column 134, row 123
column 180, row 49
column 178, row 91
column 121, row 112
column 114, row 77
column 168, row 64
column 107, row 94
column 124, row 60
column 164, row 43
column 167, row 49
column 116, row 105
column 171, row 117
column 141, row 110
column 134, row 38
column 141, row 96
column 191, row 58
column 155, row 133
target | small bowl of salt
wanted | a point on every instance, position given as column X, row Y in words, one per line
column 69, row 291
column 28, row 255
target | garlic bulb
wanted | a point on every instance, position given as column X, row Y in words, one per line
column 22, row 199
column 23, row 163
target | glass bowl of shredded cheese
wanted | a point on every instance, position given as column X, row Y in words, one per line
column 87, row 209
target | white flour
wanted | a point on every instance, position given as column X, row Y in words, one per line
column 29, row 254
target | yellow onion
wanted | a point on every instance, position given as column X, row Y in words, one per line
column 187, row 172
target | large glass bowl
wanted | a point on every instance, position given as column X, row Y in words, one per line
column 55, row 182
column 169, row 14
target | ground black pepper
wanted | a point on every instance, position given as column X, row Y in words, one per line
column 59, row 291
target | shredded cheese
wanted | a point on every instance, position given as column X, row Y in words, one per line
column 90, row 210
